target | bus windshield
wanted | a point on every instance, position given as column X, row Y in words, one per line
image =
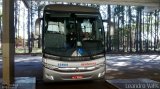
column 73, row 34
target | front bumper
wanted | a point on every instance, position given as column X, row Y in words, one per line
column 54, row 76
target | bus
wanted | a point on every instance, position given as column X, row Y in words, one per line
column 73, row 43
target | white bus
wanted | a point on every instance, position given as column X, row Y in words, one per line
column 73, row 44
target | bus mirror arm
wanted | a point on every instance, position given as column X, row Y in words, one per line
column 38, row 27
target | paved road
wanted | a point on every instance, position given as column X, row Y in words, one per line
column 119, row 66
column 26, row 65
column 133, row 66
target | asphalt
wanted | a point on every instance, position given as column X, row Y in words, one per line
column 133, row 66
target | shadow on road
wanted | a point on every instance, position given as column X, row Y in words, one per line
column 76, row 85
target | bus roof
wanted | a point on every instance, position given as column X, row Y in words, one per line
column 71, row 8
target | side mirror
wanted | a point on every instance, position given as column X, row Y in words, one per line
column 38, row 27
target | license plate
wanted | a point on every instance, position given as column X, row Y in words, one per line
column 77, row 77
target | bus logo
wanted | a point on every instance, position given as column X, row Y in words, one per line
column 62, row 65
column 88, row 64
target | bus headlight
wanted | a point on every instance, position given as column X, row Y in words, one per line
column 49, row 66
column 100, row 65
